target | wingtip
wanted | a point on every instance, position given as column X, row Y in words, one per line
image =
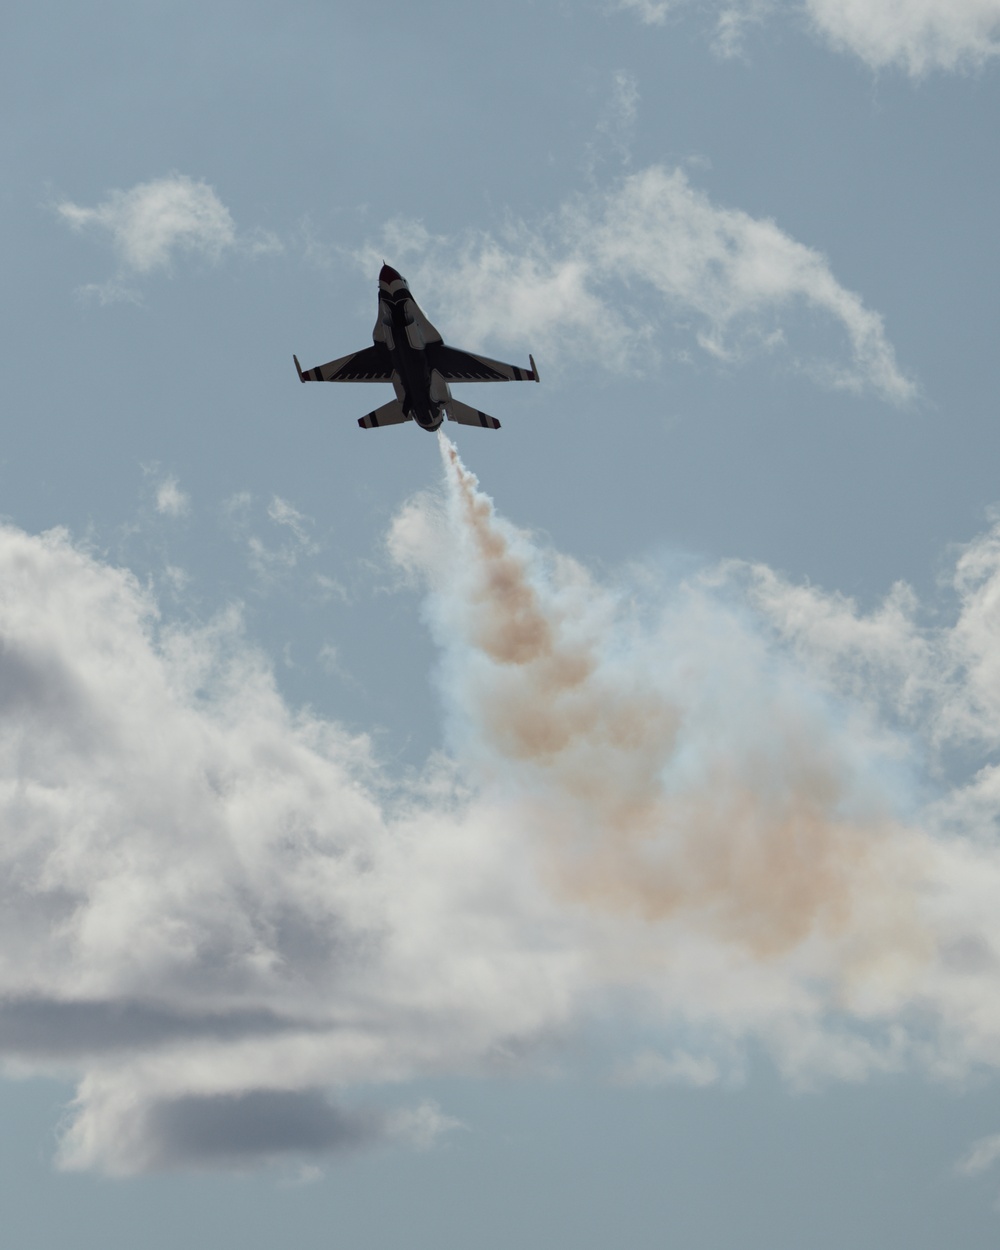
column 534, row 367
column 298, row 368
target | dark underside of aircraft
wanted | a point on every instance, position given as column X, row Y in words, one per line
column 408, row 352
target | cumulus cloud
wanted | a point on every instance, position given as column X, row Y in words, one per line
column 724, row 801
column 581, row 284
column 154, row 222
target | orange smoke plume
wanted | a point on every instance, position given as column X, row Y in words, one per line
column 639, row 804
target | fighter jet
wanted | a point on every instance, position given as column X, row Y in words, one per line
column 408, row 352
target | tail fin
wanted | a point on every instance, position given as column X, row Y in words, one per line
column 389, row 414
column 465, row 415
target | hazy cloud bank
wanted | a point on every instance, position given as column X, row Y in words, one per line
column 726, row 801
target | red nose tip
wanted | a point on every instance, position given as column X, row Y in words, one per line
column 388, row 275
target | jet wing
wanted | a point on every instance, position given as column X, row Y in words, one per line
column 372, row 364
column 456, row 366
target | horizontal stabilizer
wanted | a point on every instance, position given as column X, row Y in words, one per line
column 389, row 414
column 465, row 415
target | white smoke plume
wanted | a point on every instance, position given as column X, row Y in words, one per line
column 719, row 801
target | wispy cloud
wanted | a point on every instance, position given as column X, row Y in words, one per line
column 153, row 223
column 273, row 558
column 650, row 1068
column 652, row 12
column 916, row 36
column 980, row 1157
column 735, row 21
column 580, row 284
column 170, row 499
column 616, row 123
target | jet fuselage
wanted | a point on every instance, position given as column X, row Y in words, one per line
column 406, row 332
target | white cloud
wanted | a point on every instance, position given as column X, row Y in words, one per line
column 208, row 910
column 650, row 1068
column 735, row 20
column 176, row 579
column 575, row 284
column 651, row 12
column 616, row 125
column 154, row 222
column 980, row 1157
column 171, row 500
column 304, row 1174
column 726, row 808
column 421, row 1126
column 272, row 561
column 731, row 23
column 328, row 658
column 281, row 512
column 944, row 678
column 743, row 275
column 916, row 36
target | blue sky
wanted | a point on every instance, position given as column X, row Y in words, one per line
column 584, row 835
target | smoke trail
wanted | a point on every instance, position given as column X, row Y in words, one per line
column 663, row 774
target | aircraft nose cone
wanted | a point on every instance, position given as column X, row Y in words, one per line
column 388, row 275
